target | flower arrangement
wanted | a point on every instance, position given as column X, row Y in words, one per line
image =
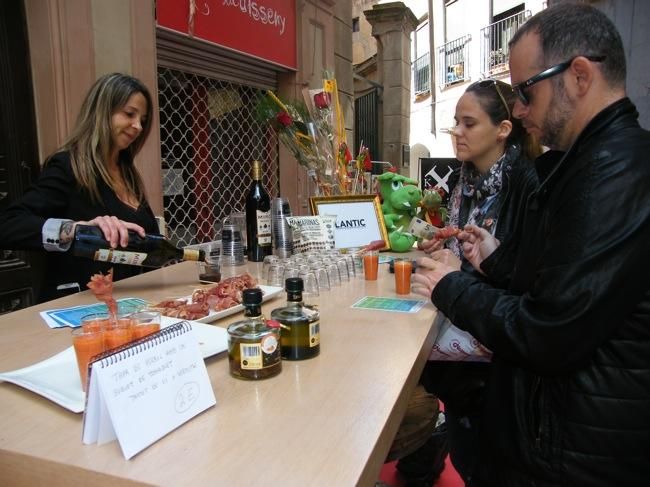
column 314, row 132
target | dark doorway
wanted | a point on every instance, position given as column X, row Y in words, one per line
column 19, row 272
column 366, row 123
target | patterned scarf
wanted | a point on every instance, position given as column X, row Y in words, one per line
column 482, row 191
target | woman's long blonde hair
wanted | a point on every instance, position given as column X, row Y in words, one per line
column 90, row 144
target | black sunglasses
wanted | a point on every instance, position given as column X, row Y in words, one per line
column 547, row 73
column 492, row 82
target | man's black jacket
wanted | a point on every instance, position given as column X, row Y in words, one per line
column 566, row 310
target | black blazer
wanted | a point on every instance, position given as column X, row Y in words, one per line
column 56, row 195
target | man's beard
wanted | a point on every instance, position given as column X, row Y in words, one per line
column 555, row 123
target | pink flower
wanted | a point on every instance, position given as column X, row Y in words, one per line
column 322, row 100
column 284, row 119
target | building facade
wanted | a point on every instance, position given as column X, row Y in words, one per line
column 457, row 42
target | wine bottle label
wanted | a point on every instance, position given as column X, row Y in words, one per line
column 250, row 355
column 263, row 227
column 314, row 333
column 120, row 256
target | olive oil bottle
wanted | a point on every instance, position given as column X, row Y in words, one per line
column 300, row 337
column 253, row 346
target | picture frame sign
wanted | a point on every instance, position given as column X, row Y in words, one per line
column 359, row 219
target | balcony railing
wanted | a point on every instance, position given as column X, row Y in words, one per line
column 421, row 80
column 494, row 43
column 453, row 61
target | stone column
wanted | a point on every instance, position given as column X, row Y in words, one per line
column 392, row 24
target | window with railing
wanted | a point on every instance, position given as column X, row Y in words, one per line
column 494, row 43
column 421, row 71
column 453, row 61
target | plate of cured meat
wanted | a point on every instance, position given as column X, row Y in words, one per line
column 215, row 302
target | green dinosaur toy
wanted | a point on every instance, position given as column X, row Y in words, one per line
column 401, row 197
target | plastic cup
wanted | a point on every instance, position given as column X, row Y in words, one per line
column 403, row 269
column 238, row 218
column 232, row 249
column 87, row 344
column 371, row 265
column 144, row 323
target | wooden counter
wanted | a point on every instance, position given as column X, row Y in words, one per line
column 326, row 421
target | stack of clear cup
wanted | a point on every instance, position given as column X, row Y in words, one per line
column 281, row 231
column 232, row 249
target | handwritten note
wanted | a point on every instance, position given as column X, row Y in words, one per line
column 147, row 389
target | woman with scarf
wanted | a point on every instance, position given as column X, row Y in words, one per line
column 496, row 174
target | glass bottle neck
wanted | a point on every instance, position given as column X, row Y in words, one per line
column 257, row 171
column 252, row 311
column 294, row 298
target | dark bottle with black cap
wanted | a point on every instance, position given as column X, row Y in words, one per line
column 300, row 337
column 258, row 218
column 253, row 343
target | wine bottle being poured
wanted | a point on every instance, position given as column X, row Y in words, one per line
column 150, row 251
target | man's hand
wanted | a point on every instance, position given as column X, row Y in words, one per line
column 478, row 245
column 428, row 274
column 446, row 257
column 432, row 245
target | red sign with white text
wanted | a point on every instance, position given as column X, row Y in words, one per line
column 265, row 29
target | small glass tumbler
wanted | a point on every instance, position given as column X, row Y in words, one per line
column 210, row 269
column 87, row 344
column 144, row 323
column 311, row 291
column 333, row 274
column 371, row 265
column 403, row 269
column 275, row 276
column 343, row 269
column 117, row 335
column 268, row 261
column 322, row 277
column 96, row 321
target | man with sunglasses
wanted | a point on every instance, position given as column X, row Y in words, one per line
column 565, row 303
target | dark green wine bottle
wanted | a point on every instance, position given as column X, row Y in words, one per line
column 150, row 251
column 258, row 218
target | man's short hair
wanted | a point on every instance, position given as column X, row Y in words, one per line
column 568, row 29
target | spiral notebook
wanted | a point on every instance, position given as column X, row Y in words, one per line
column 142, row 391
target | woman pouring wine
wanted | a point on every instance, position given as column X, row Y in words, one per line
column 91, row 179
